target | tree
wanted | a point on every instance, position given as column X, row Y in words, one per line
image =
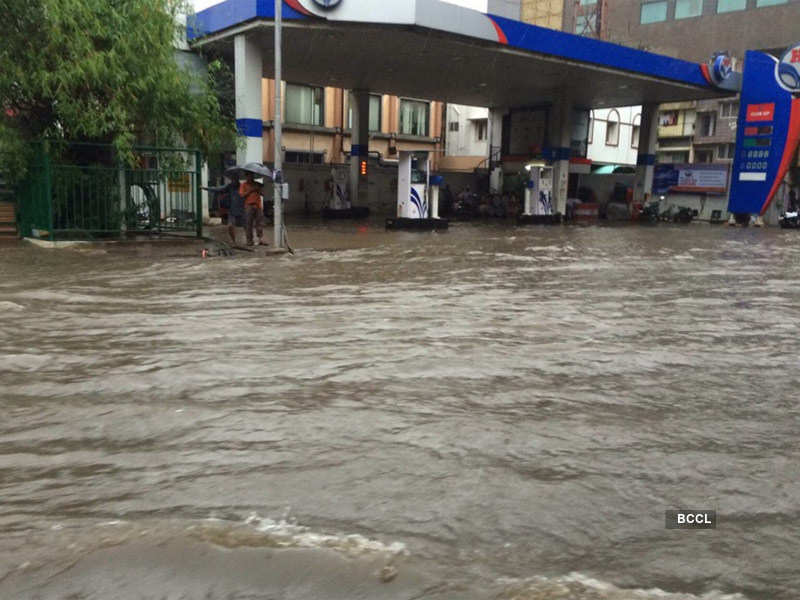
column 104, row 71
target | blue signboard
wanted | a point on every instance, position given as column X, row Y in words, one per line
column 665, row 176
column 768, row 132
column 690, row 179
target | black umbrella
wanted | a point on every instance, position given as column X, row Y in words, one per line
column 255, row 168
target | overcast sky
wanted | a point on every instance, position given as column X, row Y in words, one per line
column 476, row 4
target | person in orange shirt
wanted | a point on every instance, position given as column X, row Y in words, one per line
column 251, row 191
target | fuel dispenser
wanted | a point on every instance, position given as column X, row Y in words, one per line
column 338, row 199
column 417, row 194
column 339, row 204
column 538, row 207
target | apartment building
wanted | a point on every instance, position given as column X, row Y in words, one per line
column 317, row 122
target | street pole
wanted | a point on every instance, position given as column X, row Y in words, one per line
column 278, row 129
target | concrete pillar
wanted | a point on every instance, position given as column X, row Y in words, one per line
column 359, row 146
column 560, row 139
column 648, row 138
column 248, row 74
column 495, row 135
column 339, row 124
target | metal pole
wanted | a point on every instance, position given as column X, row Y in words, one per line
column 198, row 195
column 48, row 189
column 278, row 129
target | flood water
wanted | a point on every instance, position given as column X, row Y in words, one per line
column 489, row 413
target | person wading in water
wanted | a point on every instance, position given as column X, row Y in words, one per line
column 251, row 191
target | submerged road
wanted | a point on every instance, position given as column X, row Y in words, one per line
column 493, row 412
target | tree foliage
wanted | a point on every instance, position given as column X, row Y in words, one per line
column 104, row 71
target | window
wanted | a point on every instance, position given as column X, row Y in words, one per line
column 729, row 109
column 668, row 118
column 375, row 108
column 579, row 137
column 760, row 3
column 707, row 124
column 304, row 157
column 414, row 117
column 481, row 129
column 726, row 151
column 704, row 156
column 685, row 9
column 678, row 157
column 654, row 12
column 636, row 127
column 612, row 129
column 453, row 126
column 586, row 24
column 305, row 104
column 724, row 6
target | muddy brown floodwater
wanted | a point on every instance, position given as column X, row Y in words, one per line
column 490, row 413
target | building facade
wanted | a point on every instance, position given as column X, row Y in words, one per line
column 695, row 29
column 614, row 135
column 317, row 123
column 544, row 13
column 466, row 137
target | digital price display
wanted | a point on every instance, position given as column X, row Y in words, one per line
column 754, row 155
column 761, row 130
column 757, row 142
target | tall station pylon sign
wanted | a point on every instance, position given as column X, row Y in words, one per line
column 769, row 129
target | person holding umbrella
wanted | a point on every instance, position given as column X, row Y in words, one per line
column 251, row 192
column 235, row 212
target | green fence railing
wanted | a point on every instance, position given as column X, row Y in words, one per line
column 85, row 194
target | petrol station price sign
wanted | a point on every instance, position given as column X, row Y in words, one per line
column 769, row 129
column 754, row 155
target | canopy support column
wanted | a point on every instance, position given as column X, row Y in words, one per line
column 561, row 150
column 648, row 138
column 359, row 147
column 494, row 163
column 248, row 73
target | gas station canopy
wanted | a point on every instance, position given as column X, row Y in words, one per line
column 436, row 50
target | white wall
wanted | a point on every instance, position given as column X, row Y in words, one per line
column 623, row 153
column 464, row 142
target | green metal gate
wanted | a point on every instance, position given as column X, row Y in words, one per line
column 88, row 194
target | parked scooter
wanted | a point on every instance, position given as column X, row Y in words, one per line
column 650, row 214
column 678, row 214
column 790, row 220
column 684, row 215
